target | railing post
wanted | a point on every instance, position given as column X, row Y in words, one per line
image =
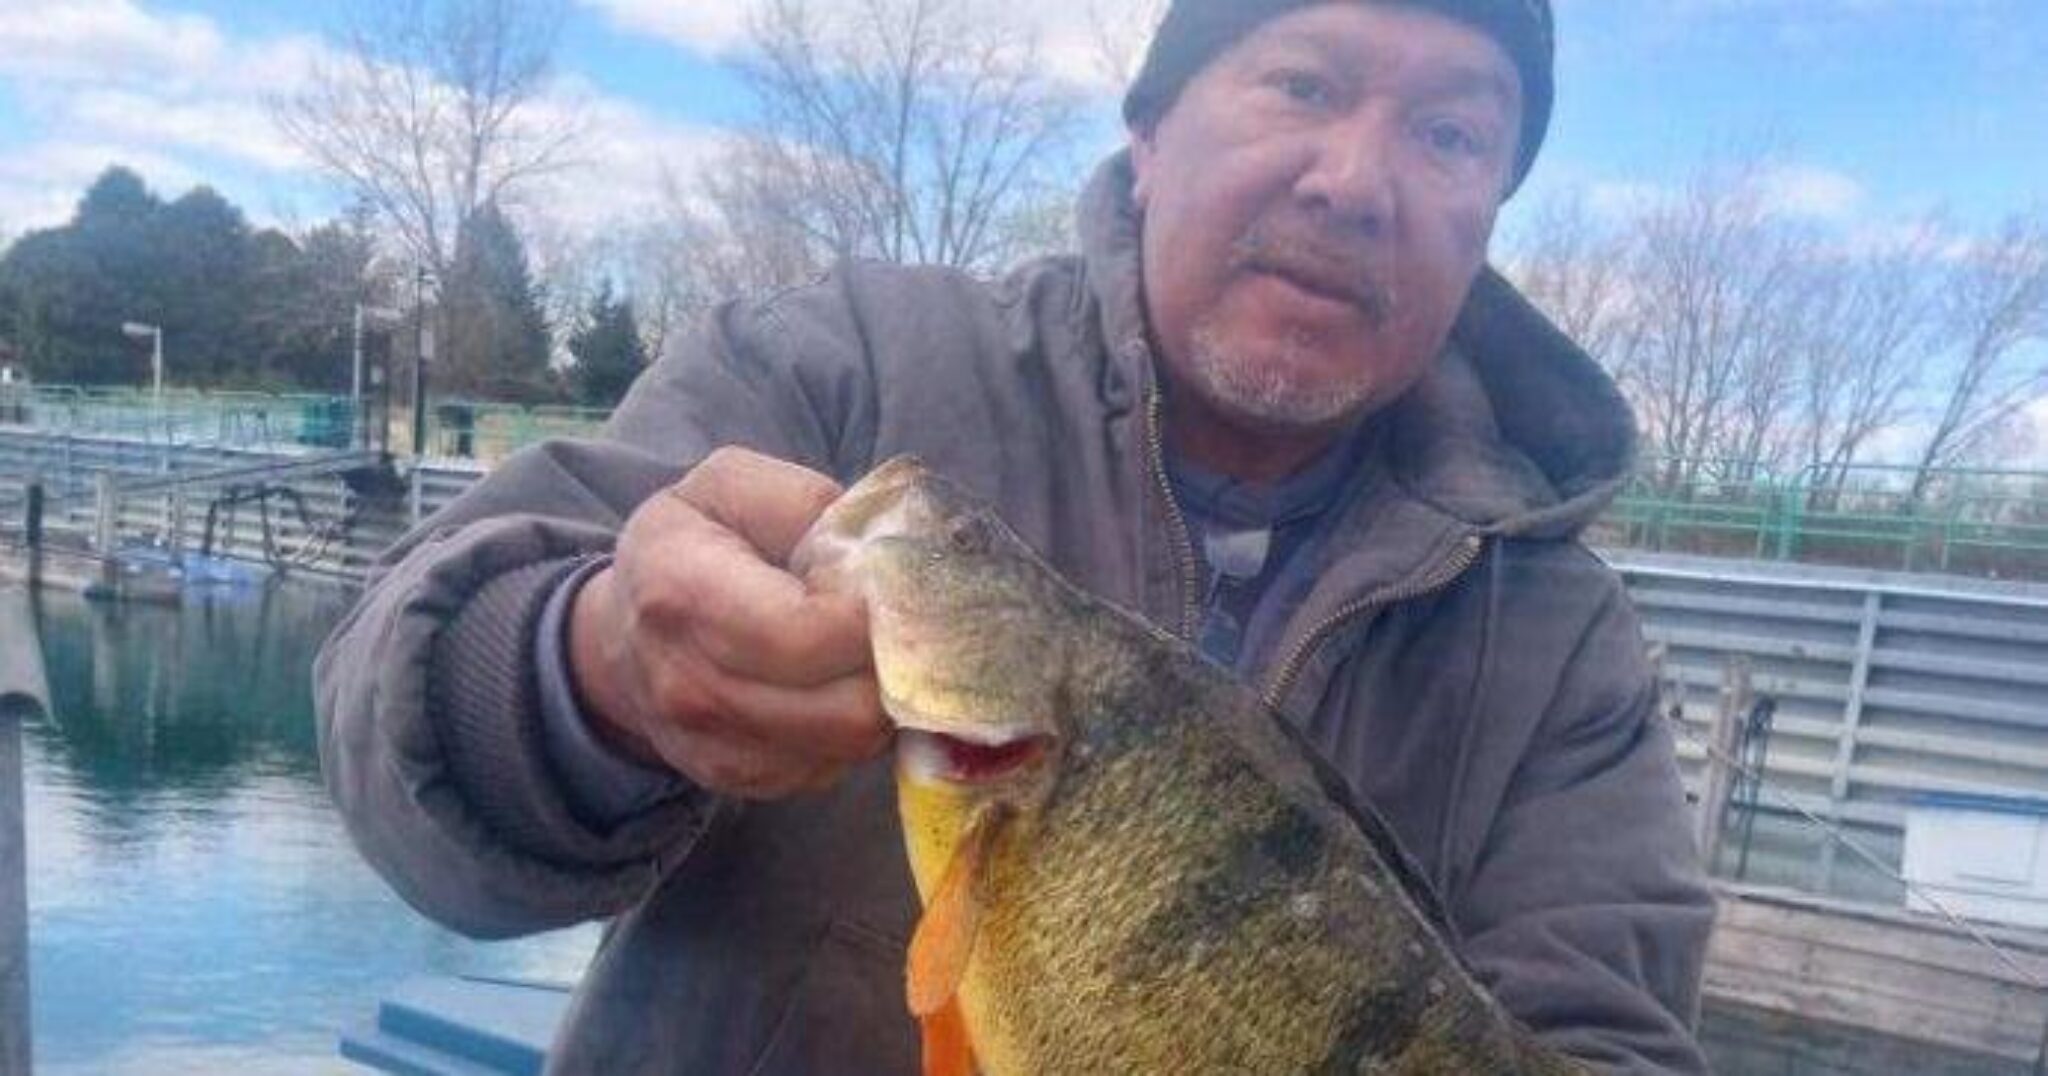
column 32, row 518
column 1720, row 771
column 106, row 514
column 175, row 541
column 1852, row 725
column 23, row 694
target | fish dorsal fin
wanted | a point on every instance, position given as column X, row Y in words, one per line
column 944, row 940
column 1378, row 833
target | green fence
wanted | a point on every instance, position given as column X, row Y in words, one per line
column 1983, row 522
column 250, row 420
column 1976, row 521
column 461, row 429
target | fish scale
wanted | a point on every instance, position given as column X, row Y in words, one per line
column 1165, row 881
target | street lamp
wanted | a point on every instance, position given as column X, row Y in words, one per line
column 136, row 330
column 381, row 314
column 423, row 349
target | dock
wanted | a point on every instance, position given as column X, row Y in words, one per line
column 1794, row 983
column 1913, row 977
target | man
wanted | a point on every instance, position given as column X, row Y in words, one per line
column 1277, row 405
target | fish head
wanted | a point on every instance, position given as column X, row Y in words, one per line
column 965, row 622
column 966, row 625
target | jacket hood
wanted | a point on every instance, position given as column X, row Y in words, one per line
column 1515, row 430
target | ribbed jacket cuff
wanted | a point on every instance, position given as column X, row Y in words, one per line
column 482, row 684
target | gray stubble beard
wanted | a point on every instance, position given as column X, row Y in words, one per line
column 1270, row 394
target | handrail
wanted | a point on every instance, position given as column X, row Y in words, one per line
column 24, row 694
column 268, row 469
column 1982, row 520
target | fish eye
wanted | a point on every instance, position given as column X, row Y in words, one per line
column 970, row 534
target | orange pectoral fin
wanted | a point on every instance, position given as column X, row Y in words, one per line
column 944, row 940
column 946, row 1050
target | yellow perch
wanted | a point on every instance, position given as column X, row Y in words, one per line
column 1127, row 864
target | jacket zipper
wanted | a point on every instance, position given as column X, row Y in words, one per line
column 1183, row 546
column 1446, row 572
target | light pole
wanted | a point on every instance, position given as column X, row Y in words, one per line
column 423, row 347
column 383, row 314
column 136, row 330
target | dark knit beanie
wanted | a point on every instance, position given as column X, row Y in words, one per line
column 1194, row 31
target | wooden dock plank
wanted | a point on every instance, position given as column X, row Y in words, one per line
column 1888, row 971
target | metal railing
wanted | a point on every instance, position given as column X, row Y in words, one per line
column 24, row 694
column 1971, row 521
column 1984, row 522
column 455, row 428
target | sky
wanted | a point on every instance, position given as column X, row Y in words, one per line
column 1871, row 110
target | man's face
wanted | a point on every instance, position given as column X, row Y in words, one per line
column 1316, row 204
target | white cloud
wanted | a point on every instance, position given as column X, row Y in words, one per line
column 1804, row 190
column 712, row 27
column 182, row 101
column 1617, row 199
column 1079, row 42
column 84, row 40
column 109, row 81
column 40, row 185
column 623, row 154
column 2037, row 414
column 236, row 129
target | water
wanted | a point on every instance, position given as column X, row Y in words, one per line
column 194, row 903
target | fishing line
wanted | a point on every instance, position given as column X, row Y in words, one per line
column 1830, row 829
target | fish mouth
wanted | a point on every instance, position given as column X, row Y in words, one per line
column 926, row 755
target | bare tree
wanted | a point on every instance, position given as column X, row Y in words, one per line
column 1572, row 268
column 1121, row 31
column 431, row 109
column 568, row 264
column 753, row 222
column 1748, row 342
column 906, row 130
column 1705, row 349
column 1995, row 310
column 1869, row 329
column 698, row 250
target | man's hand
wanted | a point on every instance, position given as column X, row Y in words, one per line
column 696, row 650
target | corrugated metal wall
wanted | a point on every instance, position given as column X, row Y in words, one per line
column 1887, row 686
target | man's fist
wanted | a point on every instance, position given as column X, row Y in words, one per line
column 697, row 650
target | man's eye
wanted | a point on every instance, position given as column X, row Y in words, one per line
column 1454, row 139
column 1306, row 87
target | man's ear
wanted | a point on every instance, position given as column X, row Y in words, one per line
column 1141, row 163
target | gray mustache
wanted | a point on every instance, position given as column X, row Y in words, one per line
column 1312, row 260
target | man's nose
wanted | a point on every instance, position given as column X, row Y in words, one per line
column 1350, row 176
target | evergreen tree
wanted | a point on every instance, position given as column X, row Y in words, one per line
column 200, row 260
column 239, row 308
column 302, row 311
column 71, row 287
column 608, row 351
column 117, row 200
column 494, row 338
